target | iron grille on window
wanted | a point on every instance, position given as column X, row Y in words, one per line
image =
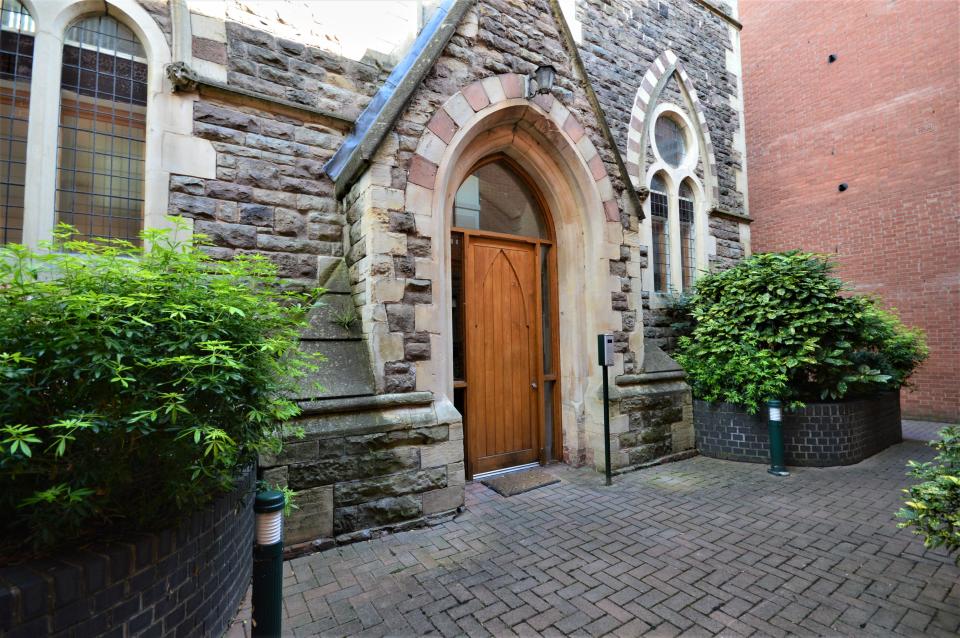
column 16, row 64
column 686, row 241
column 103, row 101
column 661, row 249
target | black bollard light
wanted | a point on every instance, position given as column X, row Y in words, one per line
column 777, row 468
column 268, row 565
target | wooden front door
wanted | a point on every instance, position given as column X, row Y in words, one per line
column 502, row 350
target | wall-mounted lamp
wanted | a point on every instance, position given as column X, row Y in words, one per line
column 842, row 187
column 542, row 80
column 831, row 58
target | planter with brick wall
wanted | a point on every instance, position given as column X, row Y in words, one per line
column 184, row 581
column 818, row 435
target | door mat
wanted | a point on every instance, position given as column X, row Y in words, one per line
column 515, row 483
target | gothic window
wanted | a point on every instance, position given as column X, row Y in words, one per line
column 687, row 249
column 102, row 135
column 17, row 30
column 659, row 220
column 675, row 183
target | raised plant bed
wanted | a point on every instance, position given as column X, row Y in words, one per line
column 818, row 435
column 184, row 581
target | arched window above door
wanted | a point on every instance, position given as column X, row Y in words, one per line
column 496, row 198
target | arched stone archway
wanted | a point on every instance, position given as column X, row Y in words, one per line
column 547, row 141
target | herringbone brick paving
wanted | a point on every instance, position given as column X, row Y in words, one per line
column 697, row 547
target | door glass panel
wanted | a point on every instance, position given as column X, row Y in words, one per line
column 456, row 281
column 545, row 309
column 495, row 199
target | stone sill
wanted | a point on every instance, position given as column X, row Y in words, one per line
column 364, row 403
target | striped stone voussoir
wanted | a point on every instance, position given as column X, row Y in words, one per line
column 482, row 97
column 664, row 66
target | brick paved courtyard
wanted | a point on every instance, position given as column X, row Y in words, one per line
column 697, row 547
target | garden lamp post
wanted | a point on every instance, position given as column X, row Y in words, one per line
column 268, row 564
column 777, row 468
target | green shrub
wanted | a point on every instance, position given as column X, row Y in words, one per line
column 134, row 382
column 776, row 326
column 934, row 505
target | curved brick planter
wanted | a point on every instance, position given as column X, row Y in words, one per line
column 819, row 435
column 184, row 581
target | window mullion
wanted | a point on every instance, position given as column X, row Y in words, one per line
column 41, row 171
column 676, row 262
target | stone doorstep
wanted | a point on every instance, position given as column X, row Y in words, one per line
column 322, row 544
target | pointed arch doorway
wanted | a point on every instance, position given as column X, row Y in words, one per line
column 504, row 297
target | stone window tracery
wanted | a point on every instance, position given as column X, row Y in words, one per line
column 659, row 220
column 675, row 200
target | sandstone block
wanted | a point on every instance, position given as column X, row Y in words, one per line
column 441, row 454
column 399, row 484
column 443, row 500
column 314, row 519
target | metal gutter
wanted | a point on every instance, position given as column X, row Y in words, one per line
column 383, row 110
column 574, row 52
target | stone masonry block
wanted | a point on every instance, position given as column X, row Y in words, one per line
column 314, row 519
column 441, row 454
column 443, row 500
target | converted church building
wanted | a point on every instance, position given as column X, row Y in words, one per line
column 482, row 186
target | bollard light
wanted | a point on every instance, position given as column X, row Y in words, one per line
column 777, row 468
column 269, row 512
column 268, row 565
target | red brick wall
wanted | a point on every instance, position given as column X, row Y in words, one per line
column 885, row 119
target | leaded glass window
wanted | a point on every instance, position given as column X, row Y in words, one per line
column 659, row 219
column 668, row 134
column 17, row 30
column 686, row 234
column 103, row 106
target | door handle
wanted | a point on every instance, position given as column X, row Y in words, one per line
column 533, row 384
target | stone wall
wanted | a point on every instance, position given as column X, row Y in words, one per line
column 623, row 45
column 270, row 194
column 183, row 581
column 818, row 435
column 623, row 38
column 495, row 47
column 369, row 463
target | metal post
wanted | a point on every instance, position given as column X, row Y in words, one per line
column 606, row 425
column 268, row 565
column 777, row 468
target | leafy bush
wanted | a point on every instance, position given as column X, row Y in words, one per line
column 134, row 382
column 776, row 326
column 934, row 505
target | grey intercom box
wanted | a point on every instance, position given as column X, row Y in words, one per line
column 605, row 350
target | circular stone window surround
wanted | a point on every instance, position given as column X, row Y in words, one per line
column 691, row 147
